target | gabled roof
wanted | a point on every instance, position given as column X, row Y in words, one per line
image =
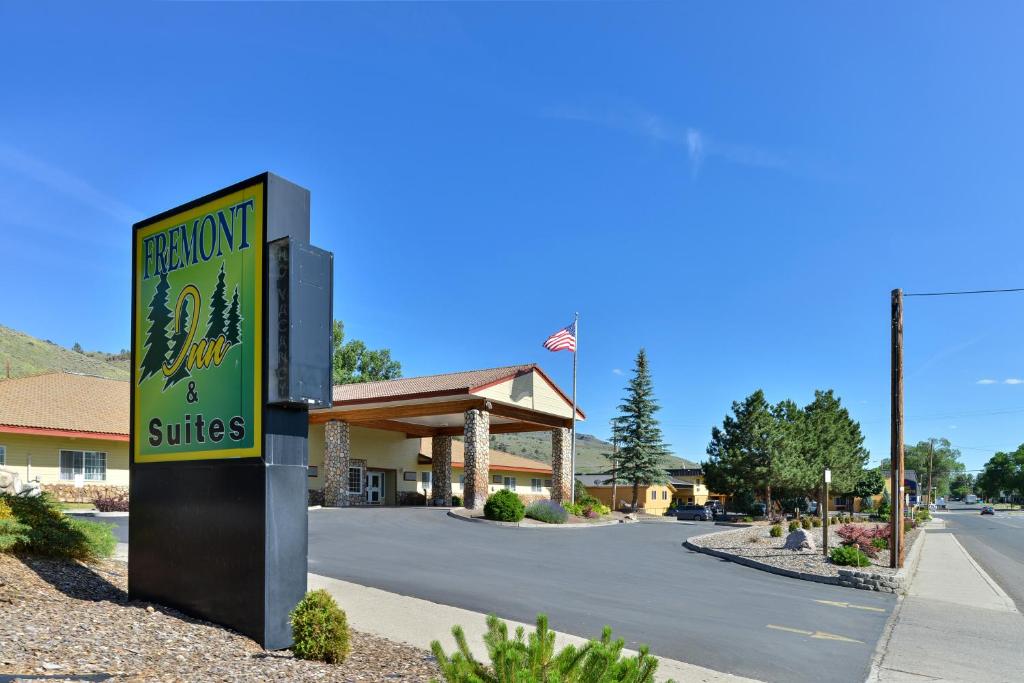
column 499, row 460
column 427, row 385
column 65, row 402
column 603, row 480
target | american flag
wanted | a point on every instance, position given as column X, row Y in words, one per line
column 563, row 340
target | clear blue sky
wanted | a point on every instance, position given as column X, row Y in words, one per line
column 735, row 191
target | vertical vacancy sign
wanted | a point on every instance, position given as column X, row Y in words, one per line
column 218, row 472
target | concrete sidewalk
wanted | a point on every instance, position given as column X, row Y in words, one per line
column 955, row 623
column 417, row 622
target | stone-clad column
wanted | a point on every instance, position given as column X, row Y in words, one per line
column 561, row 466
column 478, row 456
column 337, row 455
column 441, row 470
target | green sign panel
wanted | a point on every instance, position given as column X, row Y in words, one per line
column 198, row 329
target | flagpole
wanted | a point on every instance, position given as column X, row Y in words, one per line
column 572, row 448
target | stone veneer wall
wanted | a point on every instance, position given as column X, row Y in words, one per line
column 561, row 465
column 336, row 462
column 478, row 455
column 441, row 470
column 67, row 493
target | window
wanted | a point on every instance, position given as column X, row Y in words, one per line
column 462, row 480
column 536, row 485
column 654, row 495
column 408, row 476
column 312, row 471
column 547, row 482
column 510, row 483
column 664, row 495
column 425, row 478
column 92, row 465
column 496, row 479
column 3, row 456
column 355, row 479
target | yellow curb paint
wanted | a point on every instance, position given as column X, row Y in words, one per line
column 834, row 603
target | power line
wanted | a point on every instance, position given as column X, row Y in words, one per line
column 973, row 291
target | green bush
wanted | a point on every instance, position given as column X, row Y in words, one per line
column 775, row 531
column 504, row 506
column 533, row 658
column 793, row 526
column 922, row 515
column 319, row 629
column 849, row 556
column 12, row 531
column 51, row 532
column 881, row 543
column 748, row 519
column 805, row 522
column 547, row 511
column 456, row 501
column 815, row 522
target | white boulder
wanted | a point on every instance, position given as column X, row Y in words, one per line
column 800, row 539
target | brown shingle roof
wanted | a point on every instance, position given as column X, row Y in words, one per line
column 499, row 460
column 66, row 401
column 439, row 385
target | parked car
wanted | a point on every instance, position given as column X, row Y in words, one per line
column 697, row 513
column 716, row 507
column 988, row 510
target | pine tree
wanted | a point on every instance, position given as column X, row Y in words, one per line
column 218, row 307
column 234, row 332
column 641, row 458
column 156, row 337
column 179, row 340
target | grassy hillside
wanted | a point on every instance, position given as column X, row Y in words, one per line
column 590, row 450
column 30, row 356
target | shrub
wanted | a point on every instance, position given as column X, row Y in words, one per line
column 775, row 531
column 880, row 543
column 849, row 556
column 793, row 526
column 411, row 498
column 12, row 531
column 111, row 503
column 922, row 515
column 805, row 522
column 51, row 532
column 547, row 511
column 319, row 629
column 504, row 506
column 747, row 519
column 456, row 501
column 315, row 497
column 862, row 536
column 533, row 658
column 815, row 522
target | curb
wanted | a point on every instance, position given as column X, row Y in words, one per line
column 771, row 569
column 996, row 588
column 517, row 525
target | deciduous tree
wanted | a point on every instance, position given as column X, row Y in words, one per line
column 352, row 362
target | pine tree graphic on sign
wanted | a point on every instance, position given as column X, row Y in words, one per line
column 234, row 335
column 218, row 307
column 156, row 344
column 179, row 340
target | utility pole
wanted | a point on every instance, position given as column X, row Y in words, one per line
column 931, row 457
column 896, row 474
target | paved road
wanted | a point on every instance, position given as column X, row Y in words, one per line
column 119, row 524
column 995, row 542
column 636, row 578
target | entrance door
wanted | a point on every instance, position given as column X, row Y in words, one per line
column 374, row 488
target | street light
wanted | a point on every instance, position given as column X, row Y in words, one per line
column 824, row 513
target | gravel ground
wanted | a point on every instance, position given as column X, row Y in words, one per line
column 756, row 543
column 66, row 621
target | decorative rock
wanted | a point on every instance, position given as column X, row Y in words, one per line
column 10, row 482
column 800, row 539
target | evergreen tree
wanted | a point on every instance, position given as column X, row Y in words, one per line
column 156, row 337
column 234, row 331
column 641, row 458
column 831, row 439
column 218, row 308
column 179, row 340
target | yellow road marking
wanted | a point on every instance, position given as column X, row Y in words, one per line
column 835, row 603
column 819, row 635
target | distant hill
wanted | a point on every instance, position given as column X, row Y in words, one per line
column 30, row 356
column 590, row 450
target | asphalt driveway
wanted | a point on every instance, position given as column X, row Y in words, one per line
column 636, row 578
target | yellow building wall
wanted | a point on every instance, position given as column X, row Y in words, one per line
column 529, row 391
column 34, row 457
column 658, row 505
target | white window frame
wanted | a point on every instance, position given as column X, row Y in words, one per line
column 654, row 495
column 362, row 477
column 3, row 456
column 536, row 485
column 505, row 481
column 80, row 467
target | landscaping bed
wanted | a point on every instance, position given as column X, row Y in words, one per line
column 66, row 618
column 755, row 543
